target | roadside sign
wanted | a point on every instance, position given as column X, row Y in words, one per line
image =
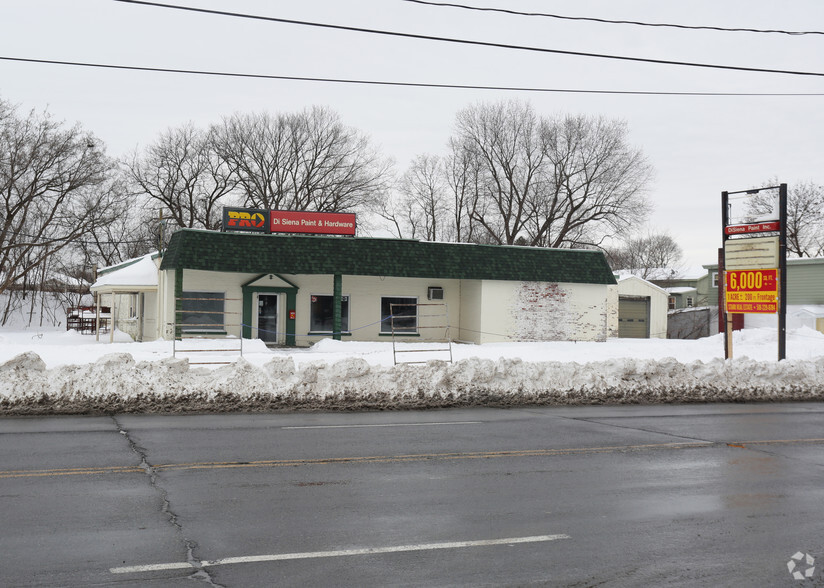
column 767, row 227
column 250, row 220
column 324, row 223
column 752, row 291
column 751, row 253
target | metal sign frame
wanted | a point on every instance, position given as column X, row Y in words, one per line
column 745, row 231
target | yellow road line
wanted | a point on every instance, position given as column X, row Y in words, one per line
column 213, row 465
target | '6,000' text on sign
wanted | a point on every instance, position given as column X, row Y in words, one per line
column 752, row 291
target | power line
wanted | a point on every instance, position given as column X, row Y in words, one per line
column 474, row 43
column 397, row 84
column 621, row 22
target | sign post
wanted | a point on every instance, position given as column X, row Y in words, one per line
column 754, row 266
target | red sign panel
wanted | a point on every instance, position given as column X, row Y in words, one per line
column 752, row 291
column 324, row 223
column 753, row 228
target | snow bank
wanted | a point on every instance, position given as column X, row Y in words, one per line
column 116, row 382
column 59, row 372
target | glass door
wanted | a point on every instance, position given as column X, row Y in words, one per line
column 268, row 318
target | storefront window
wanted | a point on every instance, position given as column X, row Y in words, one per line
column 321, row 310
column 202, row 311
column 403, row 313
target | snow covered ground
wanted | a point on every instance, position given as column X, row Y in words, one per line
column 50, row 371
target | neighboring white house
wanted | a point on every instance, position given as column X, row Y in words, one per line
column 130, row 290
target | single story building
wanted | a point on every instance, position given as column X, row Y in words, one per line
column 642, row 308
column 296, row 289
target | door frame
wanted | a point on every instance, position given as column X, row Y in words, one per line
column 256, row 324
column 248, row 307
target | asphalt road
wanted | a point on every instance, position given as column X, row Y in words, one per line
column 695, row 495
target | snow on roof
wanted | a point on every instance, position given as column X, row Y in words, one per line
column 815, row 310
column 666, row 273
column 680, row 290
column 623, row 277
column 139, row 272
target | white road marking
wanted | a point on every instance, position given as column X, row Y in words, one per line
column 339, row 553
column 386, row 425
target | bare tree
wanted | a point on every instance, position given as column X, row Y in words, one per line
column 503, row 143
column 133, row 231
column 805, row 216
column 594, row 184
column 647, row 256
column 559, row 182
column 303, row 161
column 462, row 179
column 183, row 174
column 421, row 208
column 52, row 190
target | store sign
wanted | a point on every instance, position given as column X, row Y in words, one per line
column 752, row 228
column 323, row 223
column 245, row 219
column 751, row 253
column 752, row 291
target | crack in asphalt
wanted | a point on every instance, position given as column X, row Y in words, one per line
column 752, row 446
column 200, row 574
column 595, row 421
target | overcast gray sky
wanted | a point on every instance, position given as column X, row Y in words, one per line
column 698, row 145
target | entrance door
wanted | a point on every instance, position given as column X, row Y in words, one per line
column 268, row 318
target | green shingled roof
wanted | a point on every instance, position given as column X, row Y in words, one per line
column 287, row 254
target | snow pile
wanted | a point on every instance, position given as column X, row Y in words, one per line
column 57, row 373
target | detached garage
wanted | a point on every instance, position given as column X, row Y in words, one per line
column 295, row 290
column 642, row 309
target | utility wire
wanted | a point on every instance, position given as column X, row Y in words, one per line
column 621, row 22
column 471, row 42
column 398, row 84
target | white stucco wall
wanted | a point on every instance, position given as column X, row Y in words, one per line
column 612, row 311
column 478, row 311
column 365, row 293
column 543, row 311
column 471, row 311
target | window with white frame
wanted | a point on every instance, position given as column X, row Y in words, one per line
column 671, row 303
column 714, row 279
column 689, row 302
column 134, row 305
column 321, row 313
column 399, row 314
column 202, row 311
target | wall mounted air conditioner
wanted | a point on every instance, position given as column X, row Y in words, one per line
column 435, row 293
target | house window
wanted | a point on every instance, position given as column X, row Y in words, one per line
column 689, row 302
column 399, row 314
column 671, row 303
column 321, row 311
column 202, row 311
column 714, row 279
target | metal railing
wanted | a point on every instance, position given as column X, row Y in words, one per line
column 205, row 332
column 394, row 316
